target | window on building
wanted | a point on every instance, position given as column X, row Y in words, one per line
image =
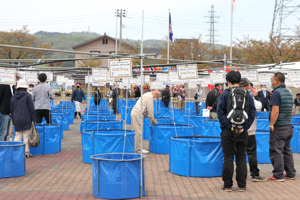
column 98, row 52
column 105, row 41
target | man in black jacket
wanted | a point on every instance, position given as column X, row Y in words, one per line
column 115, row 95
column 211, row 101
column 264, row 96
column 166, row 95
column 77, row 96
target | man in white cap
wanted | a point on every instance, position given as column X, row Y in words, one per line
column 6, row 92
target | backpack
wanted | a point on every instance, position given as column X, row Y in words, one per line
column 238, row 106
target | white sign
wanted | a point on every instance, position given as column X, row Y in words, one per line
column 156, row 85
column 187, row 72
column 23, row 74
column 49, row 75
column 205, row 113
column 60, row 80
column 87, row 79
column 120, row 68
column 99, row 75
column 31, row 77
column 7, row 76
column 216, row 78
column 98, row 83
column 264, row 78
column 293, row 77
column 70, row 82
column 162, row 78
column 125, row 80
column 133, row 81
column 108, row 77
column 147, row 78
column 173, row 77
column 205, row 81
column 193, row 85
column 251, row 75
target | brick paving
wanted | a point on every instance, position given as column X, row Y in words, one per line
column 65, row 176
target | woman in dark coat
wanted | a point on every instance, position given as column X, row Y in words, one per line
column 137, row 93
column 22, row 113
column 97, row 96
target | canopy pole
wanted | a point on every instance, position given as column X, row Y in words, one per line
column 142, row 73
column 88, row 101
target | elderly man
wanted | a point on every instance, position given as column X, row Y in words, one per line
column 281, row 130
column 147, row 111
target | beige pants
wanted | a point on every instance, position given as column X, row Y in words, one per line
column 137, row 127
column 181, row 104
column 24, row 135
column 213, row 116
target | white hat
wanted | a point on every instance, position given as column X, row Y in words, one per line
column 22, row 84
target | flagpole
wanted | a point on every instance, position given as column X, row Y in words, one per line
column 231, row 30
column 168, row 49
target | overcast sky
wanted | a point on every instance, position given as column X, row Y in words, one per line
column 252, row 18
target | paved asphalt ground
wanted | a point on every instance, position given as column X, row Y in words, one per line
column 65, row 176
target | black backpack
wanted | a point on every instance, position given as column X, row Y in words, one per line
column 238, row 107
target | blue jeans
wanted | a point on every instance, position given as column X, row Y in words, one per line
column 197, row 108
column 4, row 126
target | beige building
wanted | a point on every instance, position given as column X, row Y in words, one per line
column 103, row 44
column 106, row 44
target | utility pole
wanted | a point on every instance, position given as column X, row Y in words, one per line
column 284, row 10
column 120, row 13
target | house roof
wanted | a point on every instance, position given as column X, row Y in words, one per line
column 181, row 40
column 98, row 38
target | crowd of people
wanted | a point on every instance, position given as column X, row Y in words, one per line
column 235, row 108
column 24, row 105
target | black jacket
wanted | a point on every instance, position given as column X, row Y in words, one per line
column 114, row 94
column 22, row 110
column 137, row 93
column 5, row 96
column 166, row 95
column 97, row 96
column 264, row 101
column 296, row 102
column 212, row 99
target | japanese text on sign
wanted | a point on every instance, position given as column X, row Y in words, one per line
column 99, row 75
column 216, row 78
column 186, row 72
column 251, row 75
column 7, row 76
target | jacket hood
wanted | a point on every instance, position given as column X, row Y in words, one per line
column 20, row 94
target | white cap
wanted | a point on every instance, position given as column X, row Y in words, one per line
column 22, row 84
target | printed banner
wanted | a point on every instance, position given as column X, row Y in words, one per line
column 120, row 68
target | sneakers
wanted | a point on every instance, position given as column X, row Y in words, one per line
column 143, row 151
column 275, row 179
column 226, row 189
column 291, row 178
column 258, row 179
column 28, row 155
column 242, row 189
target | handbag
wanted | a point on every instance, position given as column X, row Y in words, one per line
column 34, row 137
